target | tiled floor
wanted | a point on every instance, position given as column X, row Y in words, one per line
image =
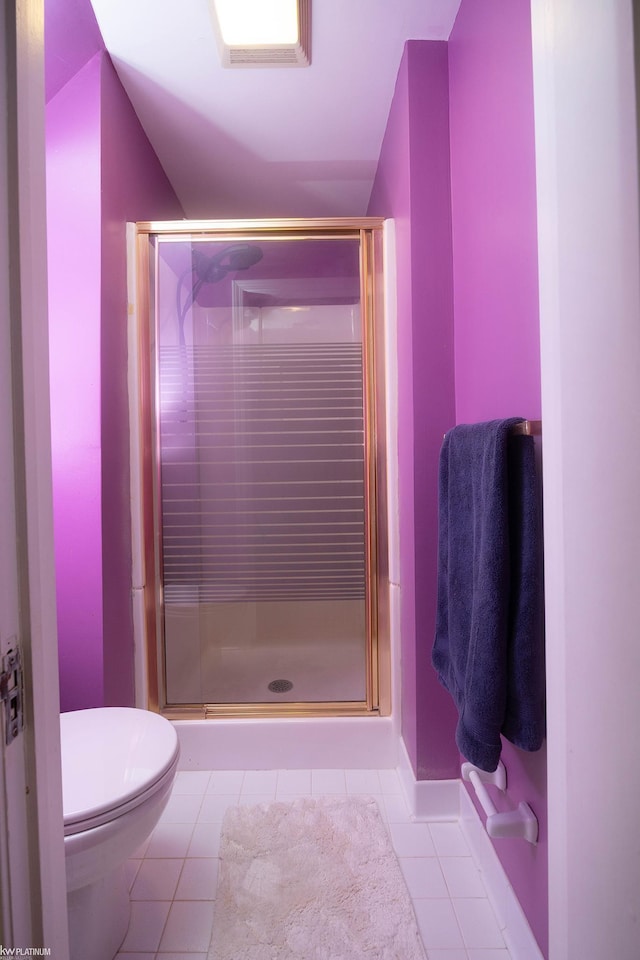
column 173, row 877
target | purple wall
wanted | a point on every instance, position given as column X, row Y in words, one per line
column 412, row 185
column 72, row 37
column 497, row 349
column 134, row 187
column 73, row 225
column 101, row 172
column 497, row 344
column 488, row 100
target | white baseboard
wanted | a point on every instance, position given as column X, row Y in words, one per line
column 428, row 799
column 449, row 800
column 511, row 918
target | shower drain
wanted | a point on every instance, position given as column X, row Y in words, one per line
column 280, row 686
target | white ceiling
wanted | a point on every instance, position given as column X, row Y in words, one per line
column 270, row 142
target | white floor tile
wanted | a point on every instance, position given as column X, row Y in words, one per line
column 324, row 782
column 448, row 840
column 462, row 877
column 188, row 927
column 169, row 840
column 181, row 808
column 225, row 781
column 136, row 956
column 176, row 956
column 478, row 923
column 214, row 806
column 156, row 880
column 260, row 782
column 253, row 799
column 382, row 810
column 141, row 850
column 363, row 782
column 173, row 876
column 205, row 841
column 423, row 877
column 145, row 926
column 191, row 781
column 412, row 840
column 397, row 809
column 437, row 924
column 131, row 868
column 390, row 782
column 198, row 880
column 293, row 782
column 447, row 955
column 488, row 955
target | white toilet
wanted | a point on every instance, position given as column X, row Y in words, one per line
column 118, row 768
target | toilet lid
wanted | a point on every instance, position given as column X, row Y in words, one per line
column 111, row 759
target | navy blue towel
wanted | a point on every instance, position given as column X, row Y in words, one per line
column 488, row 648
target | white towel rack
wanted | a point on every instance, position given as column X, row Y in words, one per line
column 521, row 823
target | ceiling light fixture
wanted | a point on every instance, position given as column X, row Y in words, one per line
column 257, row 33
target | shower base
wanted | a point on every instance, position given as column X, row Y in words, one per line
column 297, row 743
column 230, row 653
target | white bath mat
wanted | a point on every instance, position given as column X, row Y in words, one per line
column 314, row 879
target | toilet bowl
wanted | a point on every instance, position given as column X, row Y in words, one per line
column 118, row 768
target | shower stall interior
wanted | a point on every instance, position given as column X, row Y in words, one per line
column 262, row 407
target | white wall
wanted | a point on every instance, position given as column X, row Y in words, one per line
column 590, row 316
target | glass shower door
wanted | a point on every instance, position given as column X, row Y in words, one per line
column 262, row 492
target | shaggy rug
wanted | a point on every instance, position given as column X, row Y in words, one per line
column 314, row 879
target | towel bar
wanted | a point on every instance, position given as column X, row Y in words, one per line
column 528, row 428
column 520, row 823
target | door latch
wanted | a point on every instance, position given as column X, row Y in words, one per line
column 11, row 694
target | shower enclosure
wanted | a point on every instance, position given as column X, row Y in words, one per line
column 262, row 414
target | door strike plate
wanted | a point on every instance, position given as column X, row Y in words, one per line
column 11, row 694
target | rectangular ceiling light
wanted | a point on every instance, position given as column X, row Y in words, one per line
column 257, row 33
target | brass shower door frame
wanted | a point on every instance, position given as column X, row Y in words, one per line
column 368, row 231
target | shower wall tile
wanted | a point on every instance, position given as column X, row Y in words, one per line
column 141, row 680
